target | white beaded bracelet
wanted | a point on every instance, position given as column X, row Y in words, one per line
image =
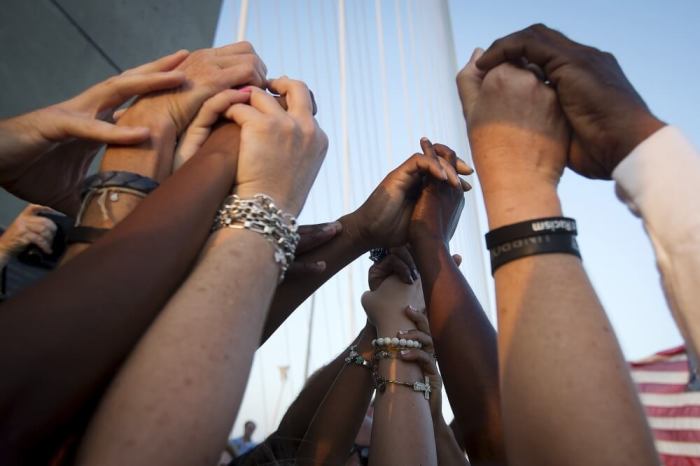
column 398, row 342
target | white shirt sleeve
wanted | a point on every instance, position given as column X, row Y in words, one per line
column 660, row 182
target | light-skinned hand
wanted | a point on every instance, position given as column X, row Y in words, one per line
column 281, row 150
column 607, row 115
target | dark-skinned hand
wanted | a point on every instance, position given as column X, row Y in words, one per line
column 436, row 213
column 607, row 115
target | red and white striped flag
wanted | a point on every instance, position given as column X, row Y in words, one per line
column 672, row 409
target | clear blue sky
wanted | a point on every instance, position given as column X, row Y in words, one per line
column 653, row 42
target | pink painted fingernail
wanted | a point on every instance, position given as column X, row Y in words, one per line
column 247, row 89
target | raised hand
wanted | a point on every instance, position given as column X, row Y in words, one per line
column 439, row 206
column 281, row 150
column 208, row 72
column 607, row 115
column 200, row 128
column 382, row 221
column 518, row 136
column 385, row 303
column 399, row 262
column 44, row 154
column 312, row 237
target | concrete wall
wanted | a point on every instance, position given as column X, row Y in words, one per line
column 52, row 49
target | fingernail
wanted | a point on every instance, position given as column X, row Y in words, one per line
column 404, row 352
column 414, row 274
column 320, row 265
column 403, row 332
column 246, row 89
column 424, row 139
column 411, row 308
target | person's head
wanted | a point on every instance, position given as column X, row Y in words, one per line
column 248, row 429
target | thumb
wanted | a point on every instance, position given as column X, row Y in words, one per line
column 469, row 81
column 108, row 133
column 33, row 209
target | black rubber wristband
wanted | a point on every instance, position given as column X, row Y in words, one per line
column 118, row 179
column 84, row 234
column 533, row 245
column 538, row 226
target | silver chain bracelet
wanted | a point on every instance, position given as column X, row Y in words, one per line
column 261, row 215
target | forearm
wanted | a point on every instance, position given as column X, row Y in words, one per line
column 300, row 413
column 549, row 317
column 19, row 146
column 402, row 429
column 337, row 253
column 448, row 451
column 101, row 302
column 465, row 342
column 658, row 181
column 328, row 441
column 148, row 159
column 296, row 420
column 194, row 361
column 153, row 158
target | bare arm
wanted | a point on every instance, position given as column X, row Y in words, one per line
column 206, row 344
column 381, row 221
column 345, row 247
column 330, row 434
column 448, row 451
column 464, row 338
column 208, row 332
column 559, row 359
column 103, row 323
column 152, row 159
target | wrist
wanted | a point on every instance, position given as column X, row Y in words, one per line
column 152, row 158
column 643, row 126
column 391, row 327
column 364, row 342
column 353, row 229
column 508, row 206
column 283, row 202
column 142, row 114
column 428, row 241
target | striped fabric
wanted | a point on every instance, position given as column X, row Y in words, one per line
column 672, row 410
